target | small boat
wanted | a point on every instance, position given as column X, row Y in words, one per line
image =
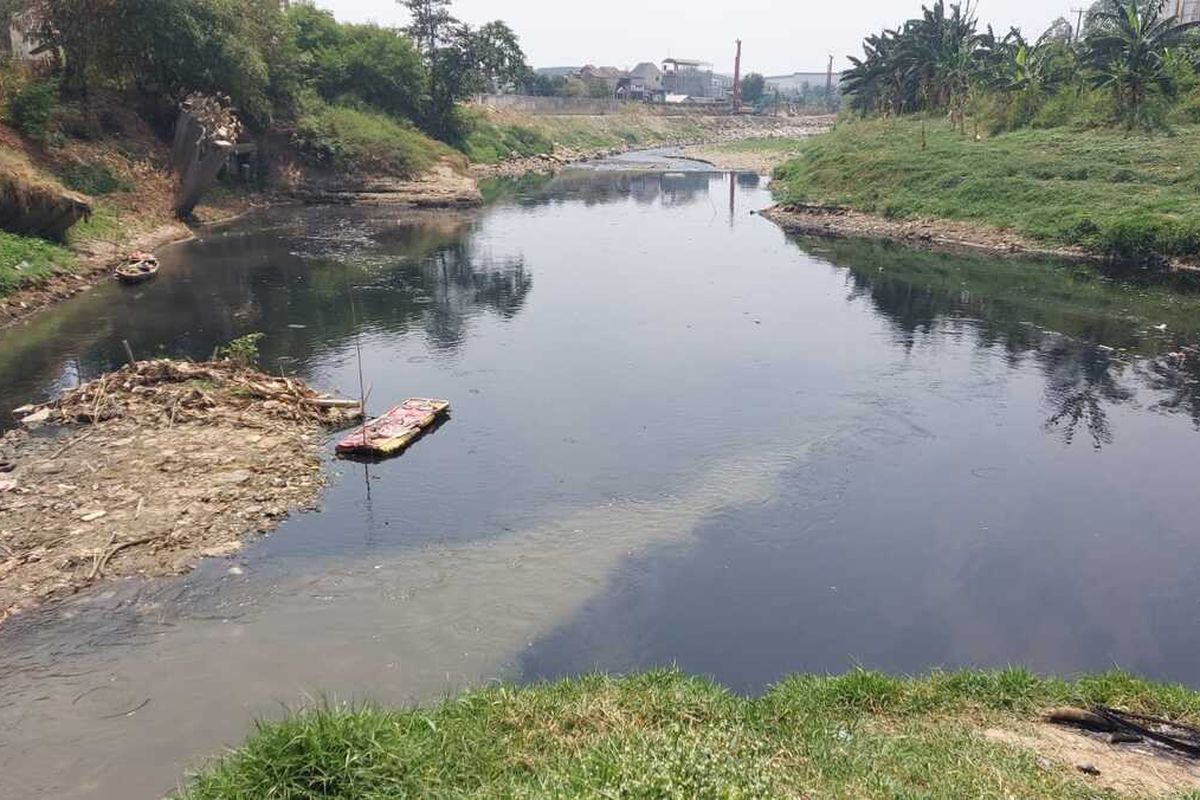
column 138, row 268
column 392, row 433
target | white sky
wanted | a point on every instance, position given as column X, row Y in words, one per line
column 779, row 36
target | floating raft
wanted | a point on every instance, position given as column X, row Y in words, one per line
column 392, row 433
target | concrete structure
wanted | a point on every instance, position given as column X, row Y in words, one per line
column 687, row 77
column 1187, row 10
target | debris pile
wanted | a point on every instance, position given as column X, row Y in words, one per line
column 182, row 391
column 146, row 470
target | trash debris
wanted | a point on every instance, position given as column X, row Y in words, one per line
column 392, row 433
column 181, row 461
column 37, row 417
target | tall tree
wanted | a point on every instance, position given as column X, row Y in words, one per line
column 753, row 86
column 499, row 57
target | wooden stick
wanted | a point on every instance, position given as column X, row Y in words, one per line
column 71, row 444
column 129, row 352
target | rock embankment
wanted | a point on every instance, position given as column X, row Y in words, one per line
column 147, row 470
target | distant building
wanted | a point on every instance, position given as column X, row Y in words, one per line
column 558, row 72
column 686, row 77
column 609, row 77
column 643, row 82
column 799, row 84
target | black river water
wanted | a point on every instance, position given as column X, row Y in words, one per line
column 679, row 438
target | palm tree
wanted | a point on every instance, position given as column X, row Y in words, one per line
column 1126, row 49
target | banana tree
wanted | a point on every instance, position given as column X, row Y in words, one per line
column 1127, row 52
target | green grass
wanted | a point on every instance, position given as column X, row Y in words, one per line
column 1129, row 195
column 352, row 139
column 491, row 143
column 664, row 735
column 27, row 261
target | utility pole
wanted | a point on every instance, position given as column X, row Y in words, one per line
column 1079, row 21
column 829, row 85
column 737, row 79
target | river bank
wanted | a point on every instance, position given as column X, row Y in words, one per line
column 146, row 470
column 583, row 139
column 1099, row 193
column 926, row 234
column 662, row 734
column 137, row 216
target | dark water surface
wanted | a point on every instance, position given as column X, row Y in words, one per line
column 678, row 438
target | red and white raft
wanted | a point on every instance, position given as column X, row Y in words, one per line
column 392, row 433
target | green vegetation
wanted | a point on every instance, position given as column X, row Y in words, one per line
column 663, row 735
column 242, row 350
column 491, row 143
column 27, row 261
column 93, row 178
column 347, row 138
column 1132, row 52
column 753, row 87
column 31, row 108
column 271, row 63
column 1127, row 195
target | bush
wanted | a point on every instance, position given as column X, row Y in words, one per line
column 93, row 178
column 31, row 109
column 243, row 350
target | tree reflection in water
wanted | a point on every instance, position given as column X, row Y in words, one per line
column 1081, row 377
column 1177, row 375
column 1098, row 338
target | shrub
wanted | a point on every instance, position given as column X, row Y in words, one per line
column 93, row 178
column 31, row 109
column 242, row 350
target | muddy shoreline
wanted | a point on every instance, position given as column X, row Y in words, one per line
column 939, row 235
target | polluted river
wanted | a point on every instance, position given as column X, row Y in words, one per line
column 678, row 437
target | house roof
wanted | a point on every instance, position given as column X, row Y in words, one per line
column 557, row 72
column 602, row 72
column 646, row 69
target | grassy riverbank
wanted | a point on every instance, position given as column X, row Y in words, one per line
column 1120, row 193
column 664, row 735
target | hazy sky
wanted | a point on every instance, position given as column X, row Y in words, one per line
column 779, row 36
